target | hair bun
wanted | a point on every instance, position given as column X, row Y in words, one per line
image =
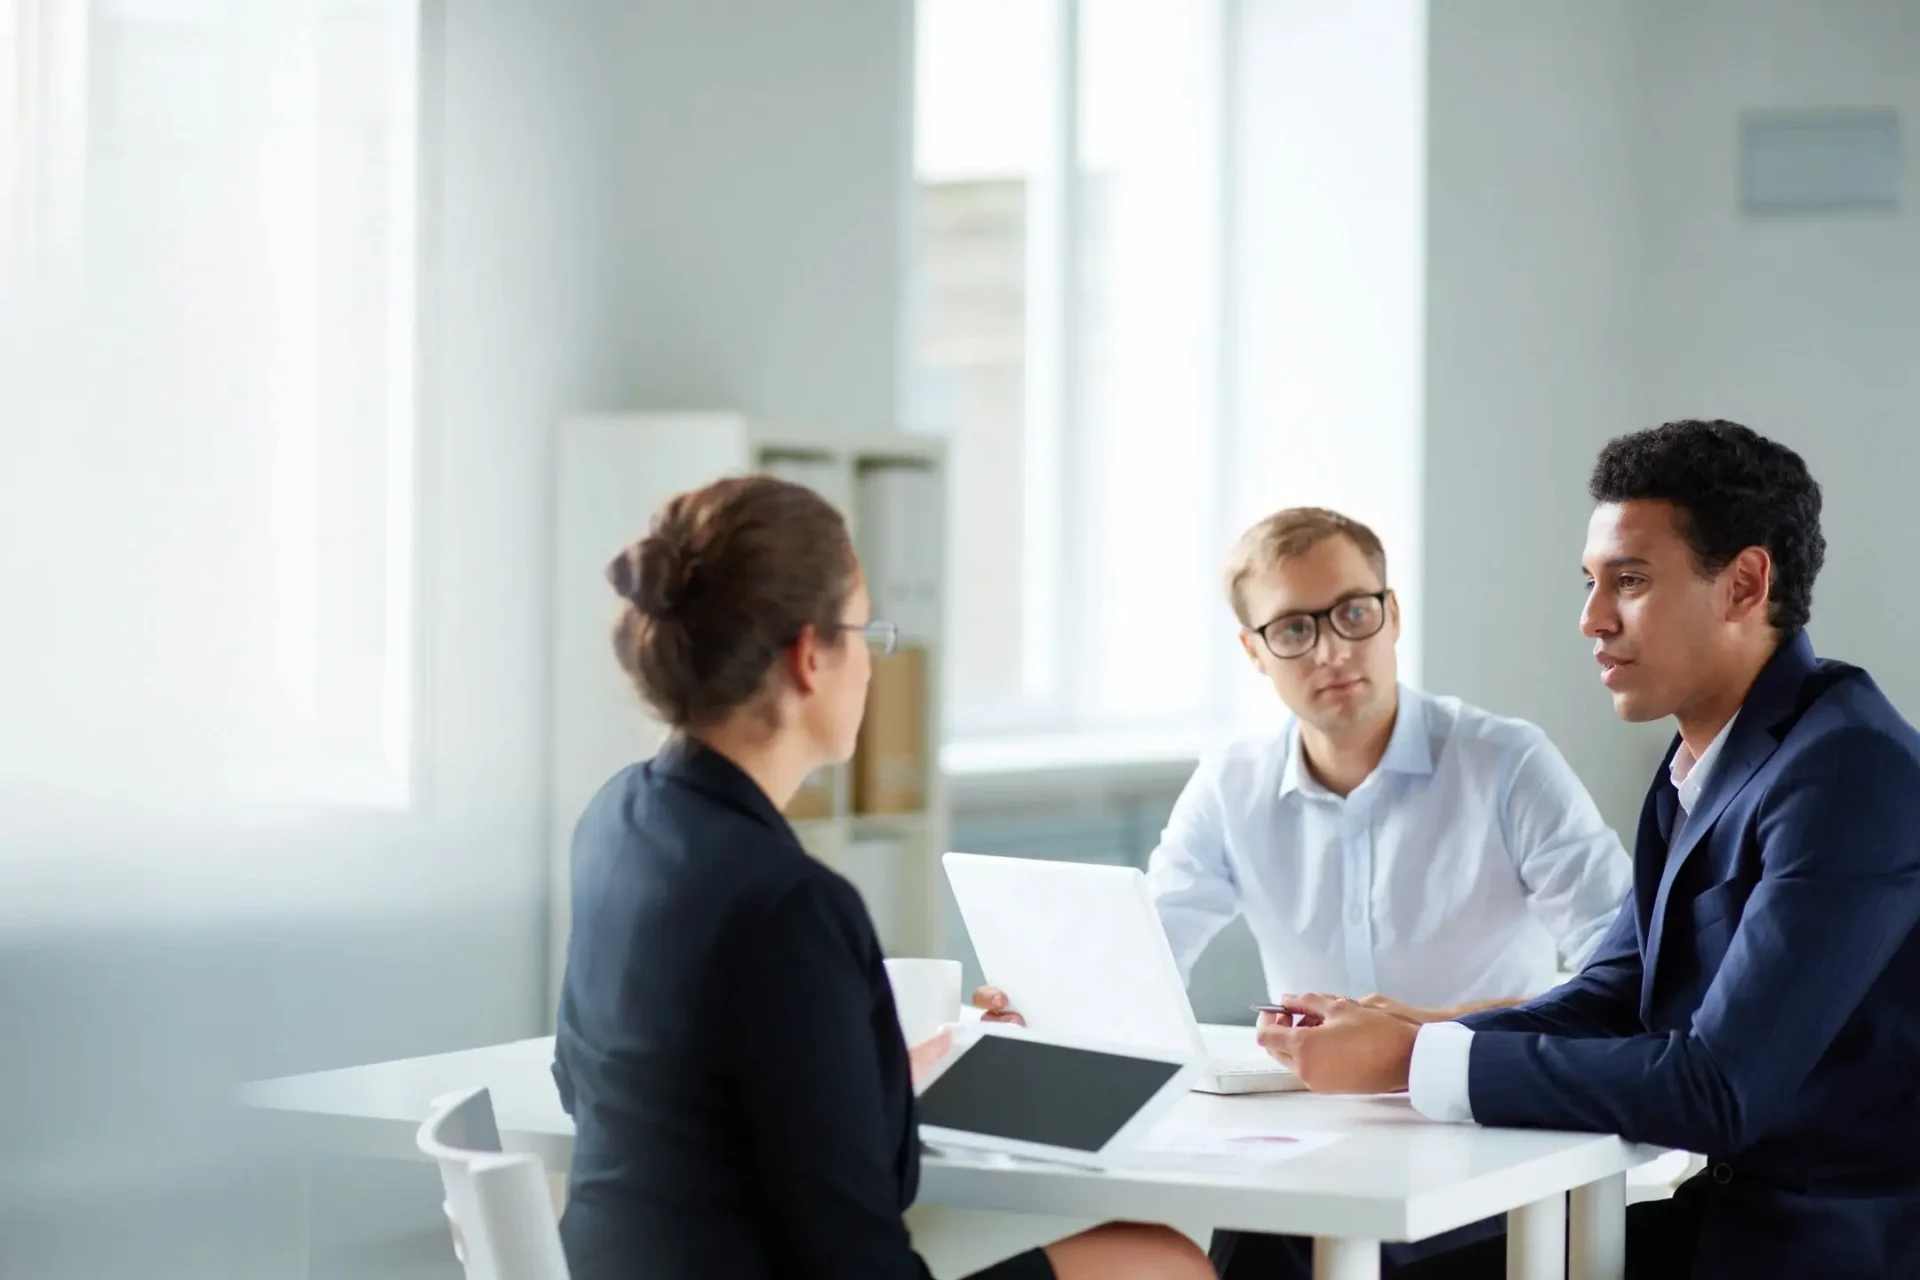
column 622, row 575
column 738, row 568
column 656, row 575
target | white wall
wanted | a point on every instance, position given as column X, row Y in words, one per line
column 1806, row 329
column 760, row 156
column 1532, row 311
column 1590, row 273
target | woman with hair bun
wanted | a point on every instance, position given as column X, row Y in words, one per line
column 727, row 1043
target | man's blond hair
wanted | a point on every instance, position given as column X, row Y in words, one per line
column 1293, row 532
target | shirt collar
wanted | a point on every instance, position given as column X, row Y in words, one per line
column 1409, row 750
column 1294, row 776
column 1690, row 775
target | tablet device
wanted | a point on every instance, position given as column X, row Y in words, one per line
column 1080, row 950
column 1078, row 1101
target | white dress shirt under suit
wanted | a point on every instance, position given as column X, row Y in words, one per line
column 1470, row 865
column 1438, row 1075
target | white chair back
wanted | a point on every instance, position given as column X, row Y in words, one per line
column 499, row 1206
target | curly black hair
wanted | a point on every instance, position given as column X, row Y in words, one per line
column 1733, row 488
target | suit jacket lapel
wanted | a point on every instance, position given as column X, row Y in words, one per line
column 1773, row 699
column 1658, row 817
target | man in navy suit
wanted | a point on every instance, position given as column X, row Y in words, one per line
column 1758, row 999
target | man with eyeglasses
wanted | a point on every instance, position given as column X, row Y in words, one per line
column 1387, row 843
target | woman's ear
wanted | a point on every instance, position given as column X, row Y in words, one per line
column 803, row 660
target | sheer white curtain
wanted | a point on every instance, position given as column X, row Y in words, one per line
column 1067, row 304
column 206, row 472
column 1170, row 277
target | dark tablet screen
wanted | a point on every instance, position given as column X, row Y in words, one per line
column 1010, row 1087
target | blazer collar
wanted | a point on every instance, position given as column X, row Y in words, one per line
column 1773, row 702
column 687, row 760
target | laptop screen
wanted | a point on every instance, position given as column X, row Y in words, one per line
column 1004, row 1086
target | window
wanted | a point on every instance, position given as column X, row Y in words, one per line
column 1067, row 306
column 1170, row 277
column 209, row 216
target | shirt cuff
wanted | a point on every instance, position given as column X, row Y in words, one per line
column 1437, row 1076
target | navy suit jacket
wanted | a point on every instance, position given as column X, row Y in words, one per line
column 1758, row 998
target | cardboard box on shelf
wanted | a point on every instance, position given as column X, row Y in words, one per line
column 890, row 765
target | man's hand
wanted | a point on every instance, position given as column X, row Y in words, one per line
column 924, row 1056
column 1420, row 1017
column 995, row 1002
column 1405, row 1012
column 1338, row 1046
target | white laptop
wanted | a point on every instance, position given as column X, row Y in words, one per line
column 1080, row 951
column 1083, row 1102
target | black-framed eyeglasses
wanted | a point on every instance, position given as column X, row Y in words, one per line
column 881, row 637
column 1293, row 635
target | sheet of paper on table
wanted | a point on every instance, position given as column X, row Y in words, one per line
column 1201, row 1149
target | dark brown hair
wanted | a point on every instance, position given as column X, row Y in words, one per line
column 1293, row 532
column 727, row 577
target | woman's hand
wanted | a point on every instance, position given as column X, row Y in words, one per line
column 997, row 1007
column 924, row 1056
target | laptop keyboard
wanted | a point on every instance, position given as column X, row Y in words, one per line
column 1247, row 1066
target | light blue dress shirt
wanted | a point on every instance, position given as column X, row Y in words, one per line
column 1439, row 1074
column 1470, row 865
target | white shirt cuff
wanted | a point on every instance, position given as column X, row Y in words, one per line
column 1437, row 1076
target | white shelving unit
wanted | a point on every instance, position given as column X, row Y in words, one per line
column 613, row 471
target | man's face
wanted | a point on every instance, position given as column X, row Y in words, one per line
column 1338, row 684
column 1656, row 623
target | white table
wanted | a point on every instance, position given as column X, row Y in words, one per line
column 1393, row 1176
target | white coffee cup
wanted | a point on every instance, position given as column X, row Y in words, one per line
column 926, row 996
